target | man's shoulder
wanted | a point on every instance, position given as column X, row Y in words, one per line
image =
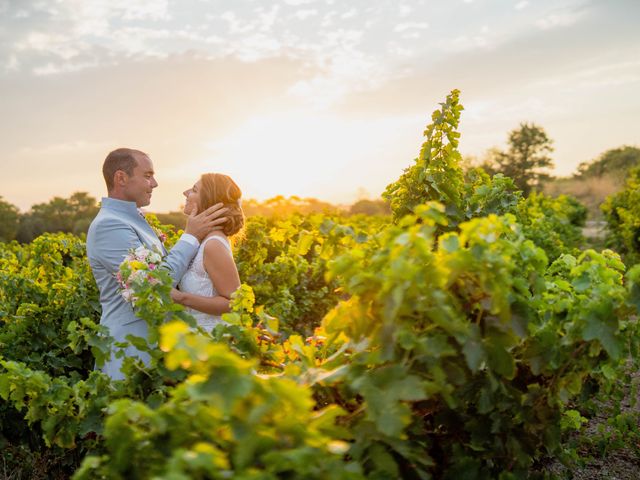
column 105, row 221
column 107, row 217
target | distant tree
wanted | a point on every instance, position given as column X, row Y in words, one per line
column 9, row 221
column 468, row 163
column 370, row 207
column 525, row 159
column 278, row 206
column 282, row 206
column 71, row 215
column 615, row 162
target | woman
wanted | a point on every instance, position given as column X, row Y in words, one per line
column 206, row 287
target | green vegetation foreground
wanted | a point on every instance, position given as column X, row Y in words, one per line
column 466, row 337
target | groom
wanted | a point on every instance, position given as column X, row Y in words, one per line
column 120, row 226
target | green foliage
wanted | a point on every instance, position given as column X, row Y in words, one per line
column 554, row 224
column 438, row 354
column 284, row 260
column 282, row 207
column 485, row 195
column 174, row 220
column 622, row 213
column 464, row 355
column 9, row 218
column 437, row 175
column 68, row 215
column 221, row 422
column 616, row 162
column 370, row 207
column 48, row 314
column 43, row 287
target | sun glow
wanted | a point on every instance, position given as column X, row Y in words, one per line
column 299, row 153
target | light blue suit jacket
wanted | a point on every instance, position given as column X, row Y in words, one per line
column 118, row 227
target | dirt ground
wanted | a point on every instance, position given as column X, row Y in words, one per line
column 594, row 230
column 617, row 464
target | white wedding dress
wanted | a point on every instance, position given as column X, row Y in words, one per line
column 196, row 281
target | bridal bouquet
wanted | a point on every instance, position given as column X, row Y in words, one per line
column 136, row 270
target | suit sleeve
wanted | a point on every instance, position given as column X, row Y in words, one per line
column 118, row 238
column 177, row 260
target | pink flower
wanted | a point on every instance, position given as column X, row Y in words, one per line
column 136, row 271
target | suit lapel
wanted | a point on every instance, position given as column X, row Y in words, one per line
column 152, row 236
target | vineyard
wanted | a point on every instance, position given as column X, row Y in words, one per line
column 470, row 335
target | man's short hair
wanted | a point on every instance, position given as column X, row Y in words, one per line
column 120, row 159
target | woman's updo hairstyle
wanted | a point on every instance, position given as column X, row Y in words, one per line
column 219, row 188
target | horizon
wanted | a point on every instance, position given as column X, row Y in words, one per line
column 309, row 98
column 179, row 208
column 360, row 195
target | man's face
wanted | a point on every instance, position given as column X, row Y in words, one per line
column 140, row 185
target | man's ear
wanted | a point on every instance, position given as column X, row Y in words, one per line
column 120, row 178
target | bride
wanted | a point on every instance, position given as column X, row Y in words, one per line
column 206, row 287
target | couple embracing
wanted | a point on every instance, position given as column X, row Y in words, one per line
column 201, row 262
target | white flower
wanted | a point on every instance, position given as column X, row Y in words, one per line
column 136, row 270
column 138, row 276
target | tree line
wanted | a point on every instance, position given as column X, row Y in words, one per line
column 69, row 215
column 74, row 214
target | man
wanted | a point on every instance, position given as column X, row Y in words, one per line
column 120, row 226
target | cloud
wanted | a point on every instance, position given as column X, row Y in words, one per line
column 492, row 62
column 58, row 45
column 597, row 74
column 348, row 45
column 12, row 64
column 464, row 43
column 401, row 27
column 96, row 17
column 56, row 69
column 349, row 14
column 561, row 19
column 296, row 3
column 405, row 10
column 304, row 14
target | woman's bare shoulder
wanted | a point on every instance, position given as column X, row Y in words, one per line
column 220, row 243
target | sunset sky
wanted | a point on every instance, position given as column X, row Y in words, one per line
column 315, row 98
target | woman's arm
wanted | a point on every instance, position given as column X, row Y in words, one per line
column 221, row 268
